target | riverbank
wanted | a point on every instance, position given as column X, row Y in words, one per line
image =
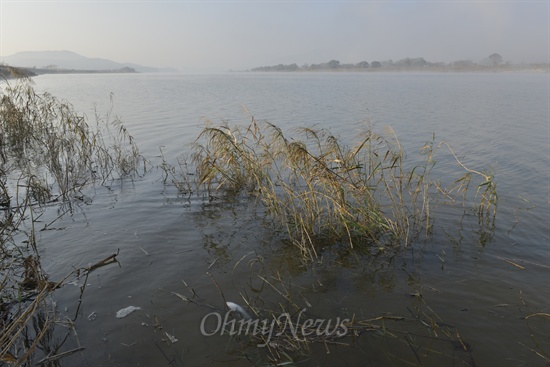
column 9, row 72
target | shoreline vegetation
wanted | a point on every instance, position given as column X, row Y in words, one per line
column 49, row 156
column 494, row 63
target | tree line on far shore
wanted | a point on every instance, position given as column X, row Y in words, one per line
column 419, row 63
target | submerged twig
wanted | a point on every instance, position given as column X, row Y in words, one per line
column 108, row 260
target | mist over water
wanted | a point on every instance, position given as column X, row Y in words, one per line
column 493, row 121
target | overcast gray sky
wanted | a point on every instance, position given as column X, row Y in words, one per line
column 222, row 35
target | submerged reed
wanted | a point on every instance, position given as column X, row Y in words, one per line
column 44, row 138
column 319, row 190
column 280, row 320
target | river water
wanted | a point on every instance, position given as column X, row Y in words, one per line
column 461, row 297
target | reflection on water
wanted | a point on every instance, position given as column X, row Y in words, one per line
column 468, row 295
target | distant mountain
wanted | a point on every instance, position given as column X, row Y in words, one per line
column 71, row 60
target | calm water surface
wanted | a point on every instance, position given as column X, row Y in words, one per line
column 494, row 121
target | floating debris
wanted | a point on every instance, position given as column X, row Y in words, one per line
column 126, row 311
column 171, row 338
column 237, row 308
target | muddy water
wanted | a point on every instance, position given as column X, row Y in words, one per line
column 462, row 297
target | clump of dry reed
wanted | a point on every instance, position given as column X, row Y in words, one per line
column 320, row 190
column 48, row 153
column 45, row 138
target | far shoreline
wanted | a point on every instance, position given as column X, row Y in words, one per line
column 11, row 72
column 489, row 69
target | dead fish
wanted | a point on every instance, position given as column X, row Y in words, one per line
column 241, row 311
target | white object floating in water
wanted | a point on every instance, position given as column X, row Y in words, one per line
column 126, row 311
column 235, row 307
column 172, row 338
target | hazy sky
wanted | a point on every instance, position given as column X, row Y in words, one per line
column 221, row 35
